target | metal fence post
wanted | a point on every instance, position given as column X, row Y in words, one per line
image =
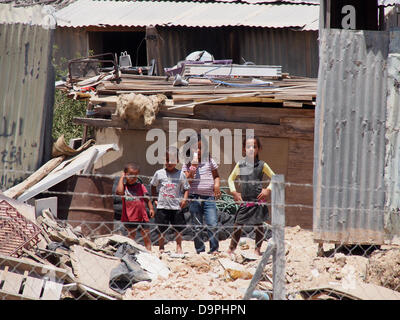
column 278, row 236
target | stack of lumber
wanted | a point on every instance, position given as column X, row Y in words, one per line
column 181, row 100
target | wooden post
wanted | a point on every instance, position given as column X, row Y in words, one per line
column 153, row 46
column 278, row 236
column 260, row 268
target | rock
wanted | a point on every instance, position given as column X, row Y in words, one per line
column 340, row 259
column 296, row 229
column 142, row 285
column 199, row 263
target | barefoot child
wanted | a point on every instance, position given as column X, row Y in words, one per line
column 253, row 209
column 134, row 197
column 173, row 191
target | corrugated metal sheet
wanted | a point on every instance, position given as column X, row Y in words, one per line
column 296, row 52
column 30, row 15
column 148, row 13
column 349, row 149
column 26, row 99
column 392, row 159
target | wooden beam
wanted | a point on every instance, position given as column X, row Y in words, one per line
column 263, row 130
column 249, row 114
column 153, row 47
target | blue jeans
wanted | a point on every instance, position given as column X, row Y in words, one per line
column 200, row 211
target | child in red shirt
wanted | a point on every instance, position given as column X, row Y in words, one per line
column 133, row 203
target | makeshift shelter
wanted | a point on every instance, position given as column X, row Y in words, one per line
column 167, row 31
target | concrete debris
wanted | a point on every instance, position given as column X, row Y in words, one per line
column 116, row 267
column 359, row 291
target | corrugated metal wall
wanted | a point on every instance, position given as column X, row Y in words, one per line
column 392, row 158
column 296, row 51
column 70, row 43
column 349, row 149
column 26, row 100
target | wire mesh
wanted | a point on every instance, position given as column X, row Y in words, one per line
column 109, row 260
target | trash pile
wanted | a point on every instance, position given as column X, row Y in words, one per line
column 64, row 264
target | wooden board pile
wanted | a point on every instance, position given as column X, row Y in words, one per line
column 67, row 265
column 182, row 100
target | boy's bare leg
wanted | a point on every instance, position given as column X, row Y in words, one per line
column 259, row 239
column 146, row 238
column 161, row 242
column 237, row 231
column 132, row 233
column 179, row 243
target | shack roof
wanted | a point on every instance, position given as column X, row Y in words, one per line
column 83, row 13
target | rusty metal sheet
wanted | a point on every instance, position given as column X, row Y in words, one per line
column 26, row 100
column 349, row 147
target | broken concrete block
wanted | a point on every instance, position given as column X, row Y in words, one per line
column 154, row 266
column 199, row 263
column 93, row 269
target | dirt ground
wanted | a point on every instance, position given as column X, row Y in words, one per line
column 204, row 276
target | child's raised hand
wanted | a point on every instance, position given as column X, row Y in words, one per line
column 264, row 194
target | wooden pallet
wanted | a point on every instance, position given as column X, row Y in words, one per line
column 25, row 286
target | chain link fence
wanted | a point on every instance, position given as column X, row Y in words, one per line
column 106, row 260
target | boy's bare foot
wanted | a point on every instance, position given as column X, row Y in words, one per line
column 179, row 250
column 161, row 250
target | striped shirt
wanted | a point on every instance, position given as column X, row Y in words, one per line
column 203, row 181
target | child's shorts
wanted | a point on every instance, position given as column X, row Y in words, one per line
column 164, row 217
column 136, row 224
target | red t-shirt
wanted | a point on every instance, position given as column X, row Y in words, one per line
column 133, row 204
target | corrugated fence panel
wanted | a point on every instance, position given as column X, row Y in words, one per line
column 349, row 149
column 392, row 159
column 295, row 51
column 26, row 100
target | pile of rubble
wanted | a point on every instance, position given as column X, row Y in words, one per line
column 69, row 265
column 62, row 263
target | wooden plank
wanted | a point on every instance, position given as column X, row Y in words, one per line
column 52, row 291
column 12, row 282
column 153, row 48
column 292, row 96
column 33, row 287
column 249, row 114
column 44, row 170
column 264, row 130
column 38, row 268
column 298, row 123
column 293, row 104
column 225, row 99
